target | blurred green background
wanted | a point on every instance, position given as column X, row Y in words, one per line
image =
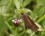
column 11, row 9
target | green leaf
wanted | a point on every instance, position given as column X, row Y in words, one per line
column 17, row 4
column 41, row 18
column 42, row 23
column 26, row 2
column 41, row 2
column 38, row 12
column 2, row 23
column 5, row 5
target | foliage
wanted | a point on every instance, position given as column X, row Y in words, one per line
column 11, row 9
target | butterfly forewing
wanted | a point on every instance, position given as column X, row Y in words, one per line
column 29, row 23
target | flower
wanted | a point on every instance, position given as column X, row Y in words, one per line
column 16, row 21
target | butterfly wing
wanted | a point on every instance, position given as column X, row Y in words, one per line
column 29, row 23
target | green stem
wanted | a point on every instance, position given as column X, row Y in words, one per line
column 41, row 18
